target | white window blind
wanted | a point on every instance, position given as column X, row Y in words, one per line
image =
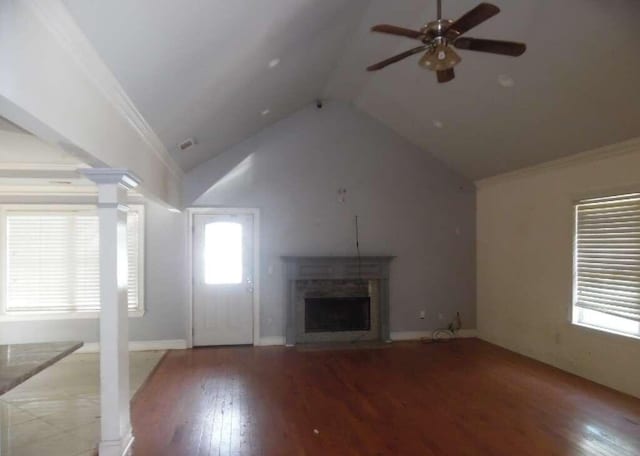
column 133, row 259
column 607, row 259
column 52, row 262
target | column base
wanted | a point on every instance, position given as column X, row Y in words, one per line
column 121, row 447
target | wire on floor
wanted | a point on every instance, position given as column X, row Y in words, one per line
column 444, row 334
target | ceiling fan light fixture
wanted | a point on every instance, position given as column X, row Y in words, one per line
column 439, row 59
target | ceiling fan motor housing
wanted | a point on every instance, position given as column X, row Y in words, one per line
column 435, row 29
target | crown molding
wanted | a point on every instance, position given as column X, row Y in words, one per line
column 56, row 17
column 601, row 153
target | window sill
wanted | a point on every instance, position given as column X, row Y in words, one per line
column 44, row 316
column 605, row 331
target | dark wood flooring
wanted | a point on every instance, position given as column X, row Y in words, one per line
column 465, row 397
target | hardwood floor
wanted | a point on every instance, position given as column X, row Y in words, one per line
column 465, row 397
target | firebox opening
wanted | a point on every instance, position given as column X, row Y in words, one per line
column 337, row 314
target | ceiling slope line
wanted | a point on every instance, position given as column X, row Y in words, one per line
column 600, row 153
column 56, row 17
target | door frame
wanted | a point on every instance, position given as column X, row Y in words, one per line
column 255, row 212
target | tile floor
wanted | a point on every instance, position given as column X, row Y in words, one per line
column 57, row 412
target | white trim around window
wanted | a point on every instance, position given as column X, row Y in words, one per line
column 52, row 313
column 606, row 264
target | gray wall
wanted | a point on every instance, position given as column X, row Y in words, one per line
column 409, row 205
column 165, row 287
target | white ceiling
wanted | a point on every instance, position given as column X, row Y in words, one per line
column 576, row 87
column 200, row 69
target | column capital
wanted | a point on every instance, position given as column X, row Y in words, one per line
column 120, row 176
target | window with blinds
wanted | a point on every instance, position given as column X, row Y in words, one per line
column 607, row 264
column 52, row 260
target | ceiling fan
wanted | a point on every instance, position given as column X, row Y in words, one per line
column 438, row 36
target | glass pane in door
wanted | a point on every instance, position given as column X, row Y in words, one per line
column 223, row 253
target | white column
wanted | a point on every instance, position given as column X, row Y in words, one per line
column 113, row 184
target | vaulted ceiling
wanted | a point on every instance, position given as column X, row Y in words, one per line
column 576, row 87
column 201, row 68
column 207, row 70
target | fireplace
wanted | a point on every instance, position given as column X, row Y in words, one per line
column 337, row 299
column 337, row 314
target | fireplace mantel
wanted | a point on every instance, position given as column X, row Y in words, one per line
column 299, row 268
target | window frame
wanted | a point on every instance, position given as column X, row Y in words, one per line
column 576, row 314
column 48, row 208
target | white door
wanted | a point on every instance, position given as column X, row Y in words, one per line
column 223, row 279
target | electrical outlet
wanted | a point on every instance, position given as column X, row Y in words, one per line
column 422, row 315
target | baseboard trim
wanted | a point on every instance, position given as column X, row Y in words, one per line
column 141, row 345
column 417, row 335
column 116, row 447
column 270, row 341
column 395, row 335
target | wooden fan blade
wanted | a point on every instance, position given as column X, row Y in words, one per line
column 472, row 19
column 446, row 75
column 396, row 58
column 493, row 46
column 399, row 31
